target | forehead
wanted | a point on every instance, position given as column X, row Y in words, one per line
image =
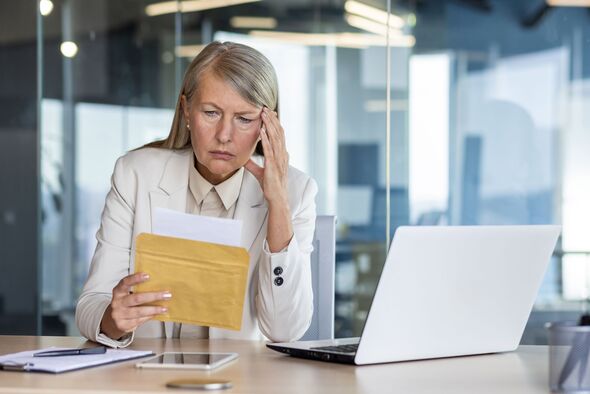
column 212, row 89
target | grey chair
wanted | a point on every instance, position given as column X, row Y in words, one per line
column 323, row 264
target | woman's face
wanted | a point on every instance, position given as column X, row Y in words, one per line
column 224, row 128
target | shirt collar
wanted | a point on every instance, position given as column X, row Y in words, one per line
column 228, row 190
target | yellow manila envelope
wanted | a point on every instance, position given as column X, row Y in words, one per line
column 207, row 281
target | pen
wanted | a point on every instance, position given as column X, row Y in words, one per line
column 71, row 352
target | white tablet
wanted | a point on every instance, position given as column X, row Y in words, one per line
column 188, row 360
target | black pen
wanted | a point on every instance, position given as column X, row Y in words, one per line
column 71, row 352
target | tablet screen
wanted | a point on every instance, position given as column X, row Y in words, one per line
column 188, row 360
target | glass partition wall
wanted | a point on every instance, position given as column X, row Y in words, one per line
column 434, row 113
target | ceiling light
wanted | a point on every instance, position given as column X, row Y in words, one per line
column 45, row 7
column 346, row 40
column 68, row 49
column 569, row 3
column 170, row 7
column 370, row 26
column 349, row 40
column 372, row 13
column 252, row 22
column 167, row 57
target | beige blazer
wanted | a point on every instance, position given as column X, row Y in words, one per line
column 148, row 178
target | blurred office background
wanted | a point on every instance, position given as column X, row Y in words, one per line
column 485, row 120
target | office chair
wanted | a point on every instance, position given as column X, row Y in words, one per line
column 323, row 264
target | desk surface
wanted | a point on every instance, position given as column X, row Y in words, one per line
column 260, row 370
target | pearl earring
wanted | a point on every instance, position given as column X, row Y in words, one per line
column 188, row 127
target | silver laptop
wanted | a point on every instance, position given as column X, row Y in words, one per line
column 444, row 292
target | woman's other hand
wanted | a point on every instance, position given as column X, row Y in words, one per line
column 273, row 176
column 273, row 180
column 127, row 310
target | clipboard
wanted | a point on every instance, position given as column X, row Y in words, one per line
column 25, row 362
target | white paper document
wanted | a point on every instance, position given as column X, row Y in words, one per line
column 197, row 228
column 24, row 361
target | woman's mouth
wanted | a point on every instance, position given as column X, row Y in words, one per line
column 221, row 155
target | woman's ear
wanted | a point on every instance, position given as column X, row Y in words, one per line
column 184, row 106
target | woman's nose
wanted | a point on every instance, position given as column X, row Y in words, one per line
column 224, row 131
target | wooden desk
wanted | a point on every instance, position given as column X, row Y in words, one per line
column 260, row 370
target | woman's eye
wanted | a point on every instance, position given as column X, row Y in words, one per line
column 244, row 120
column 211, row 113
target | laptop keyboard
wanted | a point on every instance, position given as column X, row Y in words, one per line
column 339, row 348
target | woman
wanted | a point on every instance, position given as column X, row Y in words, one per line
column 224, row 114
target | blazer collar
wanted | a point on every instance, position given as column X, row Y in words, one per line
column 171, row 191
column 175, row 175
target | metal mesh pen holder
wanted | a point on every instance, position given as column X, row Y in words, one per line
column 569, row 349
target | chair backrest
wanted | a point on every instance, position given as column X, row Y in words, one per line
column 323, row 264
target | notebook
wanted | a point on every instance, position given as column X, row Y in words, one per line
column 24, row 361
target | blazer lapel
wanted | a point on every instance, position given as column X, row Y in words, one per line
column 172, row 189
column 251, row 209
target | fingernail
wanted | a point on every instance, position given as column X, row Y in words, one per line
column 163, row 310
column 145, row 276
column 167, row 296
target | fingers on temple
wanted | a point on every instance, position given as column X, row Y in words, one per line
column 266, row 145
column 273, row 123
column 276, row 134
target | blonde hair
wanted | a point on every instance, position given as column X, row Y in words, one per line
column 248, row 71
